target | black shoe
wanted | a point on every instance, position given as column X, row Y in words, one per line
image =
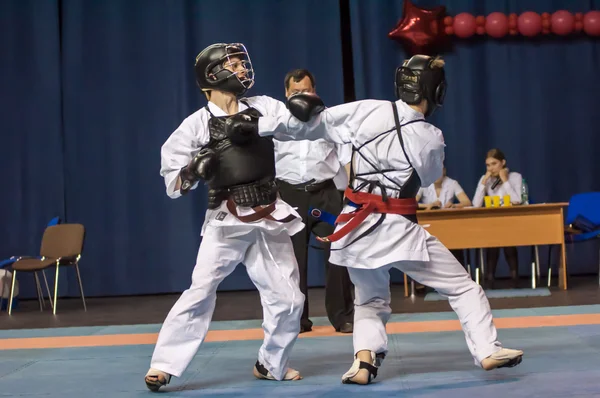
column 305, row 328
column 346, row 328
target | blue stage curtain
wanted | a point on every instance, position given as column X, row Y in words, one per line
column 129, row 82
column 535, row 99
column 31, row 145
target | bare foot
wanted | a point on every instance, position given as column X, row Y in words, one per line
column 155, row 379
column 260, row 372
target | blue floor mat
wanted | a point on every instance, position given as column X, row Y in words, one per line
column 500, row 293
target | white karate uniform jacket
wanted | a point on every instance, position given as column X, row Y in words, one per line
column 397, row 238
column 187, row 140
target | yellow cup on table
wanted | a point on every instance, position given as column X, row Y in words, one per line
column 506, row 200
column 496, row 200
column 487, row 201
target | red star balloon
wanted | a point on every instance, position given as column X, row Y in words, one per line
column 419, row 30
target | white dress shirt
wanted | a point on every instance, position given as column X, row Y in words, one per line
column 449, row 190
column 299, row 162
column 371, row 122
column 512, row 187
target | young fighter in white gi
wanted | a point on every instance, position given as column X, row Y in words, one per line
column 245, row 221
column 395, row 153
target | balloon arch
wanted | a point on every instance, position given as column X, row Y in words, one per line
column 421, row 30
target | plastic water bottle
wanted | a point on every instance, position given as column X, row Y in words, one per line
column 524, row 193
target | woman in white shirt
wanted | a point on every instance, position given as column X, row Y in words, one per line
column 441, row 194
column 499, row 181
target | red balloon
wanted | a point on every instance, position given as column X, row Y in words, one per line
column 419, row 29
column 578, row 26
column 512, row 21
column 529, row 23
column 563, row 22
column 496, row 25
column 545, row 24
column 591, row 23
column 464, row 25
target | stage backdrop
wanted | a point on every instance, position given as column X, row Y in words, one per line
column 31, row 134
column 535, row 99
column 91, row 90
column 118, row 78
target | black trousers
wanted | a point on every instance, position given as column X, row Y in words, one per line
column 459, row 254
column 338, row 287
column 512, row 258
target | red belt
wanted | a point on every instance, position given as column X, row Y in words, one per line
column 369, row 203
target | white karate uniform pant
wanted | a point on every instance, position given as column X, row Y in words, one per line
column 442, row 273
column 272, row 267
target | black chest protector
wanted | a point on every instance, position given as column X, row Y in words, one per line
column 245, row 171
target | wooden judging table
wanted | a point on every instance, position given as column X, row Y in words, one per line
column 474, row 228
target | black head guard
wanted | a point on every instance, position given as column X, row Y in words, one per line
column 211, row 72
column 417, row 80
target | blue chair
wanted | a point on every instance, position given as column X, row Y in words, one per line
column 582, row 222
column 583, row 219
column 6, row 263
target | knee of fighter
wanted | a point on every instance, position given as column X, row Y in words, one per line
column 466, row 285
column 294, row 301
column 298, row 300
column 371, row 302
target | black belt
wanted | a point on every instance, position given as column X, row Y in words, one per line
column 258, row 193
column 309, row 186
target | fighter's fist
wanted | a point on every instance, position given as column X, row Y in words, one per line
column 204, row 164
column 304, row 106
column 201, row 167
column 241, row 128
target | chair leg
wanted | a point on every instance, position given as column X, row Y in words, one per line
column 533, row 276
column 81, row 286
column 482, row 264
column 537, row 262
column 5, row 287
column 55, row 290
column 549, row 265
column 467, row 256
column 12, row 291
column 39, row 291
column 48, row 289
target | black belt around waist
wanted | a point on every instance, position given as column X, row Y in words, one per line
column 259, row 193
column 309, row 186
